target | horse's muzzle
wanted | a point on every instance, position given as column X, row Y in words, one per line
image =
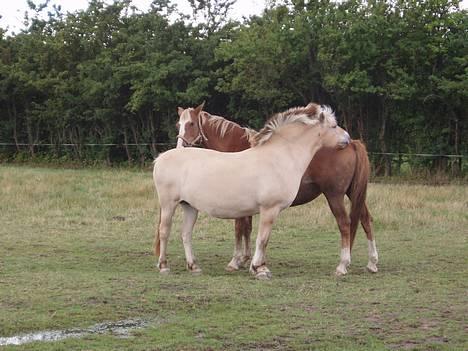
column 345, row 140
column 182, row 142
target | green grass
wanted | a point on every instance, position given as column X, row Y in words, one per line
column 67, row 259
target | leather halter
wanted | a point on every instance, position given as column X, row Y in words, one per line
column 199, row 140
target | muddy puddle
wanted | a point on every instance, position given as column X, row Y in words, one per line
column 120, row 329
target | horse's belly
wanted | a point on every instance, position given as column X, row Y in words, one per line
column 224, row 213
column 222, row 194
column 226, row 209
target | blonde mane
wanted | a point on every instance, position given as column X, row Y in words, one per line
column 309, row 115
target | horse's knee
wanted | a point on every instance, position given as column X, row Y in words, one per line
column 186, row 238
column 344, row 224
column 163, row 234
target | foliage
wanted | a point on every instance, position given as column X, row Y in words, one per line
column 396, row 72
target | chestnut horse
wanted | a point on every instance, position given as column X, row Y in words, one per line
column 334, row 173
column 210, row 181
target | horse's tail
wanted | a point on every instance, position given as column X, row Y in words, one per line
column 157, row 242
column 358, row 188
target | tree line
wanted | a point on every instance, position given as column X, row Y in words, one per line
column 395, row 72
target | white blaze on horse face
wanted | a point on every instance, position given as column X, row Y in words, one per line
column 183, row 120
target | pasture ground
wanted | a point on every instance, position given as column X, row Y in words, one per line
column 76, row 250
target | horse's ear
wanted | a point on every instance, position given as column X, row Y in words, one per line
column 321, row 117
column 312, row 109
column 199, row 108
column 180, row 110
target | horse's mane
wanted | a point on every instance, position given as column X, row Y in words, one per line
column 222, row 126
column 309, row 115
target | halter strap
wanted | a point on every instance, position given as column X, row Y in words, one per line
column 195, row 142
column 200, row 129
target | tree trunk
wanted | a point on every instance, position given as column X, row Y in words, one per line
column 458, row 163
column 383, row 145
column 360, row 123
column 127, row 151
column 153, row 131
column 29, row 130
column 14, row 117
column 136, row 139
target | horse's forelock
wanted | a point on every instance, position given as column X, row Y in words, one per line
column 329, row 115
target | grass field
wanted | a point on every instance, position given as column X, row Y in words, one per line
column 76, row 250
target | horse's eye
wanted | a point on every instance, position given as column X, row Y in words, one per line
column 191, row 124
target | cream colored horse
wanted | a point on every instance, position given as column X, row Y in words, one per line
column 264, row 179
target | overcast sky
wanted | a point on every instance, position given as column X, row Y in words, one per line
column 12, row 11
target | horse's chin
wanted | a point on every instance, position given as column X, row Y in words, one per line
column 342, row 146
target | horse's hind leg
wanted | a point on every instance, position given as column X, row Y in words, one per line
column 241, row 255
column 236, row 261
column 366, row 222
column 190, row 217
column 247, row 233
column 336, row 203
column 162, row 235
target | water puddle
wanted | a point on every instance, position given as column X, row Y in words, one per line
column 121, row 329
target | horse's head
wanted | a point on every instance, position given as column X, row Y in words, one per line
column 189, row 126
column 319, row 119
column 332, row 135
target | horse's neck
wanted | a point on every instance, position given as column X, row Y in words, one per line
column 235, row 139
column 297, row 150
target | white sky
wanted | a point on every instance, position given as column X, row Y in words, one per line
column 12, row 11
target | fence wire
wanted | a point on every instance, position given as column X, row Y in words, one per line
column 173, row 145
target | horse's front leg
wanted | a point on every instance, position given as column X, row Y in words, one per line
column 190, row 217
column 258, row 265
column 241, row 255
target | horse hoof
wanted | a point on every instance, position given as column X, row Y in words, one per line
column 340, row 271
column 196, row 271
column 371, row 267
column 230, row 268
column 164, row 271
column 261, row 272
column 263, row 275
